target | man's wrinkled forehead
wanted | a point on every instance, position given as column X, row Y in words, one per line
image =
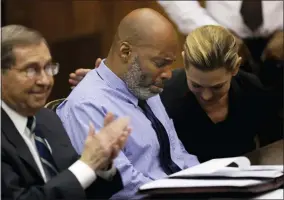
column 158, row 52
column 32, row 53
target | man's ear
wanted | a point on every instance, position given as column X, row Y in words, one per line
column 125, row 51
column 237, row 67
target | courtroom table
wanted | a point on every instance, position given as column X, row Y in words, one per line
column 271, row 154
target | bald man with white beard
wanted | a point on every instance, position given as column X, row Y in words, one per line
column 128, row 82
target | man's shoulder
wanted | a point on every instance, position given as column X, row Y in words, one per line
column 44, row 113
column 47, row 117
column 91, row 89
column 50, row 121
column 93, row 92
column 93, row 102
column 85, row 96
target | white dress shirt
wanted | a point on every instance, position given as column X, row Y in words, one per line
column 189, row 15
column 85, row 175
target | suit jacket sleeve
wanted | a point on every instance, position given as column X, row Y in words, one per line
column 63, row 186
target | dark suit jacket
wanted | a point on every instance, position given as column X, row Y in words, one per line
column 21, row 178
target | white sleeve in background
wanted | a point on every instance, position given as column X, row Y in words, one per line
column 84, row 174
column 187, row 15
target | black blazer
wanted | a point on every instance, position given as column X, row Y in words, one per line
column 21, row 178
column 252, row 111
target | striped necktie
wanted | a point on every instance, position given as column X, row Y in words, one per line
column 43, row 150
column 166, row 161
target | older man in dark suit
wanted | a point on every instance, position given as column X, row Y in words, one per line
column 38, row 160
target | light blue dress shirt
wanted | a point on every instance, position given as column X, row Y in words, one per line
column 101, row 91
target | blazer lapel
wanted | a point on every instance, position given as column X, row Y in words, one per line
column 55, row 145
column 8, row 128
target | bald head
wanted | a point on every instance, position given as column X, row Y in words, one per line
column 145, row 27
column 144, row 48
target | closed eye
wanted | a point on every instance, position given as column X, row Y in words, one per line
column 160, row 65
column 196, row 86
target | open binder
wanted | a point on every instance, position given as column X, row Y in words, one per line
column 218, row 177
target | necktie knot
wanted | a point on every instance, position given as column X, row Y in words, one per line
column 142, row 104
column 31, row 124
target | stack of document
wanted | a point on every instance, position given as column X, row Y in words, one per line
column 219, row 176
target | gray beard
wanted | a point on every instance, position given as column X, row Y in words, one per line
column 134, row 78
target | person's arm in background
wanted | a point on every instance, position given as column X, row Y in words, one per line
column 274, row 49
column 273, row 61
column 75, row 119
column 187, row 15
column 79, row 74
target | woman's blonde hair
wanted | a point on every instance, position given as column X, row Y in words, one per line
column 211, row 47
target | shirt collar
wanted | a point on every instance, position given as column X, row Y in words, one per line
column 115, row 82
column 19, row 121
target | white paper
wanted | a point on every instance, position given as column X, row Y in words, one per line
column 218, row 167
column 185, row 183
column 212, row 166
column 265, row 167
column 235, row 172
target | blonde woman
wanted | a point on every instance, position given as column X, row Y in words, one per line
column 217, row 109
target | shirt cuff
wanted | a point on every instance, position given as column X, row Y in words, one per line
column 84, row 174
column 107, row 175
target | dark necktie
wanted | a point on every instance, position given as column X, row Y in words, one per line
column 251, row 12
column 43, row 150
column 165, row 155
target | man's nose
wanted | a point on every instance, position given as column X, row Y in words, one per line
column 166, row 74
column 44, row 79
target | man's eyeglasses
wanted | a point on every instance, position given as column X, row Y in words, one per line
column 50, row 70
